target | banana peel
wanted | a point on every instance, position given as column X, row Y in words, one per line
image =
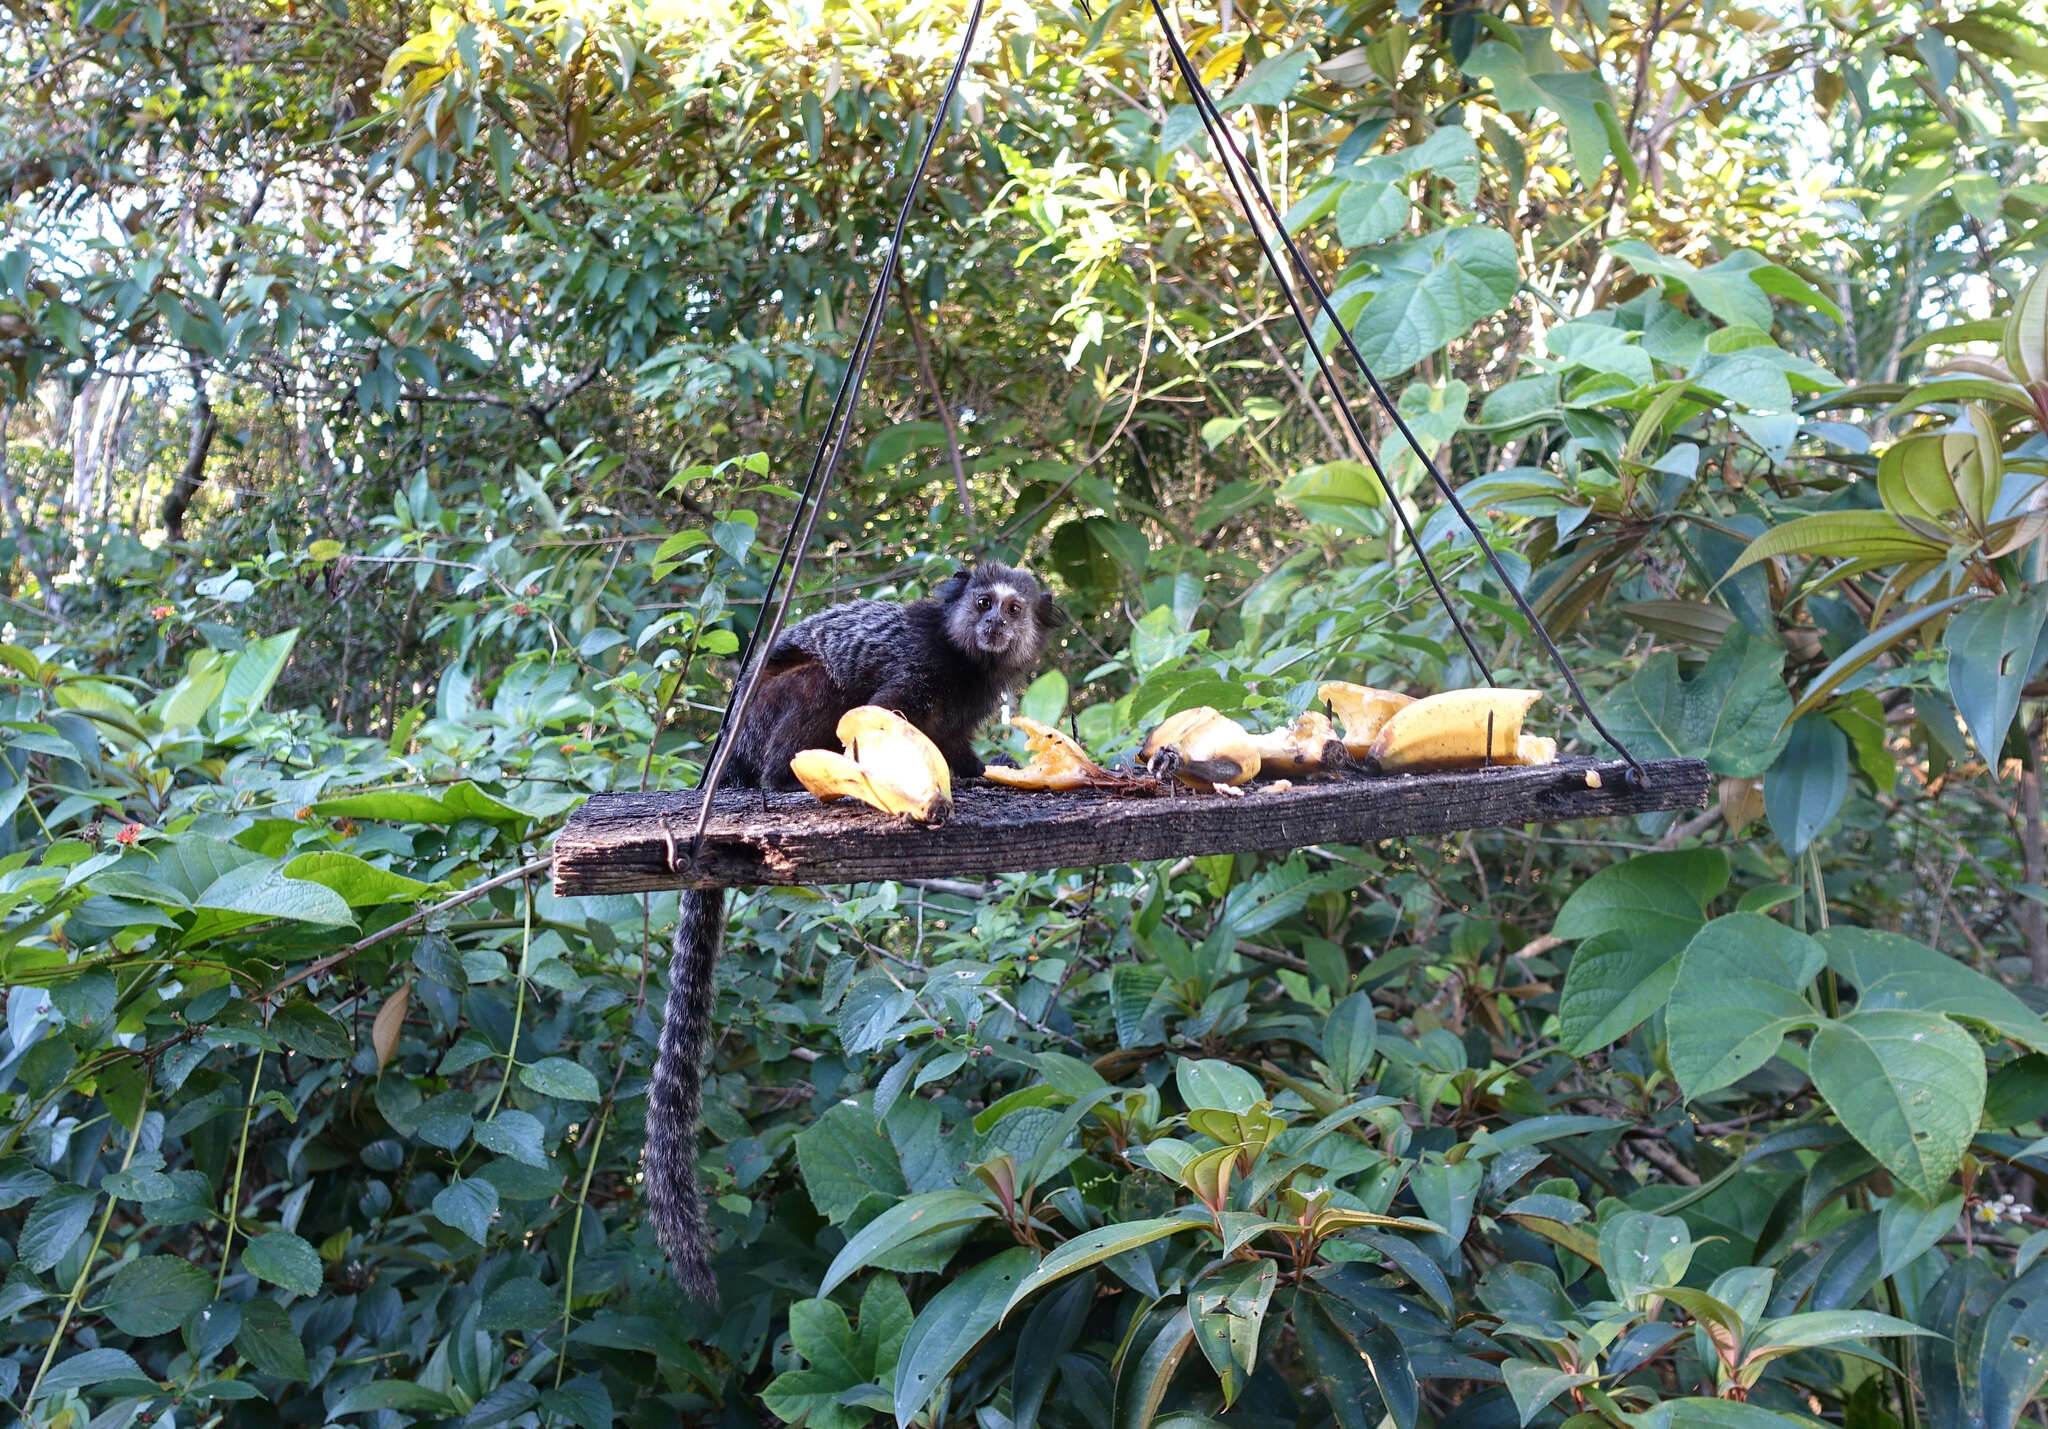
column 1203, row 750
column 889, row 764
column 1362, row 710
column 1308, row 746
column 1057, row 762
column 1460, row 729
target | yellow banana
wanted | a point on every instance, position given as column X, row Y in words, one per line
column 1362, row 709
column 1458, row 729
column 1203, row 750
column 889, row 765
column 1056, row 761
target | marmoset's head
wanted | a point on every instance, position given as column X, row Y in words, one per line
column 997, row 614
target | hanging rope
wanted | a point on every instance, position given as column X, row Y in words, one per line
column 825, row 462
column 1222, row 137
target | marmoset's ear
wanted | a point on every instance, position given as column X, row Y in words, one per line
column 1048, row 613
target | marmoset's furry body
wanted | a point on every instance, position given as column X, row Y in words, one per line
column 943, row 663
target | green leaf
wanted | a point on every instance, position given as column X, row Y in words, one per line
column 1616, row 981
column 1433, row 290
column 1094, row 1247
column 463, row 800
column 908, row 1220
column 100, row 1371
column 54, row 1224
column 2025, row 340
column 952, row 1323
column 844, row 1160
column 1640, row 1251
column 1145, row 1376
column 1369, row 213
column 1891, row 971
column 1990, row 655
column 1737, row 995
column 1878, row 642
column 1336, row 493
column 304, row 1028
column 361, row 884
column 1804, row 790
column 1206, row 1083
column 1847, row 535
column 1908, row 1227
column 1349, row 1036
column 1705, row 1413
column 1731, row 714
column 1271, row 81
column 521, row 1305
column 1909, row 1086
column 261, row 890
column 1227, row 1312
column 1825, row 1327
column 516, row 1134
column 153, row 1295
column 1533, row 1384
column 1661, row 898
column 561, row 1078
column 268, row 1341
column 255, row 671
column 583, row 1401
column 284, row 1260
column 467, row 1206
column 399, row 1394
column 1988, row 1365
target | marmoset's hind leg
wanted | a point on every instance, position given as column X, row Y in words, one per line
column 797, row 709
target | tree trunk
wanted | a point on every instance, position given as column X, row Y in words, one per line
column 193, row 475
column 2034, row 846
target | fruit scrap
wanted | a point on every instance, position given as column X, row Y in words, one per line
column 1203, row 750
column 1362, row 710
column 1056, row 762
column 1308, row 746
column 1461, row 729
column 889, row 765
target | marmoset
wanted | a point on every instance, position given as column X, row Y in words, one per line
column 944, row 663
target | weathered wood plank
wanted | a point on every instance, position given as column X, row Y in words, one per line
column 624, row 843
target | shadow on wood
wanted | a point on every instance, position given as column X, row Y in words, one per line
column 636, row 843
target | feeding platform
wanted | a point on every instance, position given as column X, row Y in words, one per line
column 635, row 843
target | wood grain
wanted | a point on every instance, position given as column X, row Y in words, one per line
column 637, row 843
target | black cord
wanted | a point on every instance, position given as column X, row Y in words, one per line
column 1221, row 135
column 831, row 444
column 1213, row 124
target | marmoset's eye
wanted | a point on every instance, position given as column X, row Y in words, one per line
column 983, row 603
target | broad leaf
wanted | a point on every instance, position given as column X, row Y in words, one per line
column 952, row 1323
column 1908, row 1085
column 1731, row 714
column 1804, row 790
column 1737, row 995
column 906, row 1221
column 1894, row 971
column 1990, row 655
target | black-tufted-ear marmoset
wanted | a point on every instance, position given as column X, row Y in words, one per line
column 944, row 663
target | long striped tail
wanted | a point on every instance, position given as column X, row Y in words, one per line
column 676, row 1093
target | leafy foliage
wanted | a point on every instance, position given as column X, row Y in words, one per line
column 399, row 409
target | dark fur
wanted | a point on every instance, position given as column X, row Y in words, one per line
column 943, row 663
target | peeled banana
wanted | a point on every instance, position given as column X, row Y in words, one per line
column 1056, row 762
column 889, row 765
column 1362, row 709
column 1203, row 750
column 1308, row 746
column 1460, row 729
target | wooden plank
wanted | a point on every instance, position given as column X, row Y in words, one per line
column 625, row 843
